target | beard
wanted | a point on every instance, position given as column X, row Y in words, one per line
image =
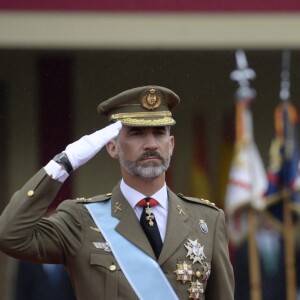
column 147, row 170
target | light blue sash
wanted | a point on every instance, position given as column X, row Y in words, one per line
column 142, row 272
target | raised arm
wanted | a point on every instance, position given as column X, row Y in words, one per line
column 24, row 233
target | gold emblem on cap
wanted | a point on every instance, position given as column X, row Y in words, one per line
column 151, row 100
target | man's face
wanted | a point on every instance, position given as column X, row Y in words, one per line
column 145, row 151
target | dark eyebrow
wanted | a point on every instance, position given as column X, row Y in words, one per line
column 161, row 127
column 133, row 129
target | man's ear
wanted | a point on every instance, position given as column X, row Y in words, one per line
column 172, row 144
column 111, row 148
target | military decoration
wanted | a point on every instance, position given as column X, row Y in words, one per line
column 184, row 272
column 150, row 216
column 203, row 226
column 195, row 251
column 196, row 290
column 102, row 246
column 205, row 272
column 197, row 275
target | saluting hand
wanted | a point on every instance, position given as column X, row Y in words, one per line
column 88, row 146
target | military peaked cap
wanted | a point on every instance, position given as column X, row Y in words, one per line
column 141, row 106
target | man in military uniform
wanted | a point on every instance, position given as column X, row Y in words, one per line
column 142, row 241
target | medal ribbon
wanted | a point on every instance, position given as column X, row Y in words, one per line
column 142, row 272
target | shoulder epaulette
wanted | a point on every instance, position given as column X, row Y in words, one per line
column 198, row 200
column 98, row 198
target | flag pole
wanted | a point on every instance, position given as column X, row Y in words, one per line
column 244, row 94
column 288, row 229
column 289, row 249
column 253, row 257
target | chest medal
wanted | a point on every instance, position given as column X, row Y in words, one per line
column 195, row 251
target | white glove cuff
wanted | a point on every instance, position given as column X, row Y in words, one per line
column 56, row 171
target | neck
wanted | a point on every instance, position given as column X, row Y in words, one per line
column 145, row 186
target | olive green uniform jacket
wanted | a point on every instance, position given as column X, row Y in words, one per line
column 70, row 237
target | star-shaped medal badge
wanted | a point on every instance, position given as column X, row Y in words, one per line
column 184, row 272
column 195, row 251
column 196, row 290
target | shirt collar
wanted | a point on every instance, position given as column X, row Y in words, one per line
column 133, row 196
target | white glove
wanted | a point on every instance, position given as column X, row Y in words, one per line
column 88, row 146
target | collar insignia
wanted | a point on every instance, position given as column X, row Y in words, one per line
column 117, row 207
column 180, row 211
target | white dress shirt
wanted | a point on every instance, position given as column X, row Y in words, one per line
column 160, row 211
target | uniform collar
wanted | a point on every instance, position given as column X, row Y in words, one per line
column 133, row 196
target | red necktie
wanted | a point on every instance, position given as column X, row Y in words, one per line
column 151, row 201
column 149, row 224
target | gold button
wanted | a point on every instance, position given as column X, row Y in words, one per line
column 198, row 273
column 112, row 267
column 30, row 193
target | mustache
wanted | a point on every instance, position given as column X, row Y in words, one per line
column 151, row 153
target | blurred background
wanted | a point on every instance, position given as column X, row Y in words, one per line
column 60, row 59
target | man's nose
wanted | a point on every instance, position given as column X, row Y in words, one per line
column 150, row 142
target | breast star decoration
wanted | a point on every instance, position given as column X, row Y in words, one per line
column 195, row 251
column 184, row 272
column 196, row 290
